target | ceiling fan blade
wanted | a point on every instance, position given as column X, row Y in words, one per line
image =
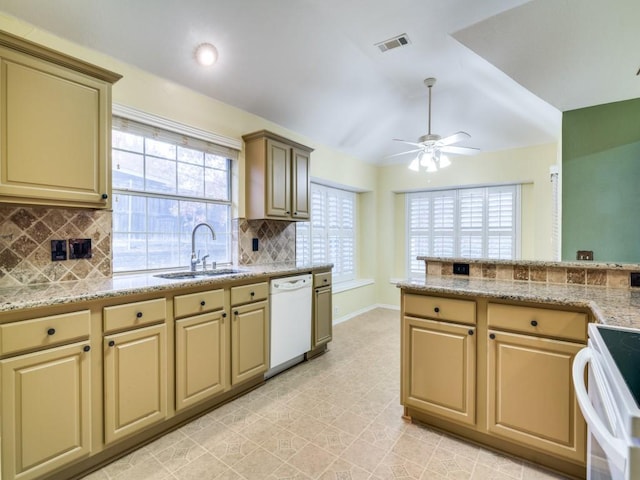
column 459, row 150
column 408, row 143
column 455, row 138
column 404, row 153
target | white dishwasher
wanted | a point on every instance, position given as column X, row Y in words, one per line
column 290, row 317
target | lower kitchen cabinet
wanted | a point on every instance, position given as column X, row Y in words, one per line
column 249, row 341
column 135, row 380
column 439, row 368
column 531, row 398
column 322, row 310
column 46, row 410
column 201, row 357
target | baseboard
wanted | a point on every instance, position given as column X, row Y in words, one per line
column 349, row 316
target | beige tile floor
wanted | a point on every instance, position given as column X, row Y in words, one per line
column 336, row 417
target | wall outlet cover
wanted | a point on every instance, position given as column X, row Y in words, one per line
column 58, row 250
column 635, row 279
column 79, row 248
column 254, row 244
column 461, row 269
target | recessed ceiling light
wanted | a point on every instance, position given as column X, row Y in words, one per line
column 206, row 54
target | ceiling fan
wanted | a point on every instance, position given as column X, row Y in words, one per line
column 432, row 148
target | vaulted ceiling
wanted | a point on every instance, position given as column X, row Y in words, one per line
column 506, row 69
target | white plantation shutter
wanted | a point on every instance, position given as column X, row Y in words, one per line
column 468, row 223
column 501, row 223
column 330, row 235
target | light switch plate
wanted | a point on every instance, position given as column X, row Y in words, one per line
column 79, row 248
column 58, row 250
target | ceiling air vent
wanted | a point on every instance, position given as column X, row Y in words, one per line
column 395, row 42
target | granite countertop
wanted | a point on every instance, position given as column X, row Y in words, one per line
column 59, row 293
column 612, row 306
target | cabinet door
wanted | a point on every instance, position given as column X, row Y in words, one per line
column 530, row 394
column 55, row 134
column 439, row 368
column 249, row 341
column 135, row 387
column 278, row 188
column 322, row 318
column 46, row 410
column 300, row 185
column 201, row 358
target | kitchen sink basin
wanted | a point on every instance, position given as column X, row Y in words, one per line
column 198, row 274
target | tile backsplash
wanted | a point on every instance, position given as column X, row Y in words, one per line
column 25, row 244
column 276, row 241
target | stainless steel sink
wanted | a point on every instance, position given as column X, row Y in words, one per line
column 207, row 273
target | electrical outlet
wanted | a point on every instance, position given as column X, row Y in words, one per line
column 58, row 250
column 335, row 311
column 584, row 255
column 461, row 269
column 635, row 279
column 254, row 244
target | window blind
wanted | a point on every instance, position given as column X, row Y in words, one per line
column 469, row 223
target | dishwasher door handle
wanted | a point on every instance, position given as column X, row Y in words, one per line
column 290, row 285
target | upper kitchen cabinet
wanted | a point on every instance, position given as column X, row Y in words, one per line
column 55, row 127
column 277, row 177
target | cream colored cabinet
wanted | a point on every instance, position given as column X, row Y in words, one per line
column 135, row 372
column 277, row 177
column 55, row 134
column 531, row 399
column 322, row 310
column 249, row 331
column 46, row 395
column 202, row 351
column 439, row 357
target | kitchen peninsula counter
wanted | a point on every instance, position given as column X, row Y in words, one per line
column 61, row 293
column 612, row 306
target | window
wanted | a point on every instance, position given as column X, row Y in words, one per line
column 164, row 184
column 469, row 223
column 330, row 235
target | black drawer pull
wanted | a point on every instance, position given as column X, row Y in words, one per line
column 236, row 313
column 534, row 323
column 86, row 348
column 492, row 336
column 470, row 332
column 203, row 303
column 437, row 309
column 224, row 314
column 112, row 343
column 252, row 294
column 139, row 315
column 104, row 196
column 51, row 331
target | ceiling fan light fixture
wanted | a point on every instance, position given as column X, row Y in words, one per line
column 415, row 164
column 444, row 161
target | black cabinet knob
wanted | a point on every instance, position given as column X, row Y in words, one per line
column 224, row 314
column 492, row 336
column 252, row 294
column 437, row 309
column 104, row 196
column 139, row 315
column 112, row 343
column 51, row 331
column 470, row 332
column 534, row 323
column 325, row 280
column 288, row 212
column 203, row 303
column 86, row 348
column 295, row 213
column 236, row 313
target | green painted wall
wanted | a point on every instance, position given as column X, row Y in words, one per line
column 601, row 182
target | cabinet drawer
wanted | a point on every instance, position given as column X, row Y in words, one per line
column 249, row 293
column 321, row 279
column 197, row 303
column 463, row 311
column 43, row 332
column 538, row 321
column 134, row 314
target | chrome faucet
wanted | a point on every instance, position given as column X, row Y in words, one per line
column 195, row 260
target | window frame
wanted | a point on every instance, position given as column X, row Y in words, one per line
column 305, row 232
column 457, row 230
column 180, row 136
